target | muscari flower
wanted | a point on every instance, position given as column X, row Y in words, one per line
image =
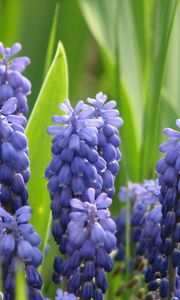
column 14, row 162
column 19, row 242
column 73, row 167
column 108, row 138
column 167, row 256
column 91, row 238
column 141, row 197
column 12, row 82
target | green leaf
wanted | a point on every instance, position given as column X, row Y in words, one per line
column 164, row 13
column 128, row 134
column 54, row 90
column 21, row 290
column 52, row 40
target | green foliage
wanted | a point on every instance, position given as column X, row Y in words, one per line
column 54, row 90
column 21, row 292
column 52, row 39
column 163, row 13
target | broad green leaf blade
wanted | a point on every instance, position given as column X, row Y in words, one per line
column 54, row 90
column 52, row 40
column 21, row 289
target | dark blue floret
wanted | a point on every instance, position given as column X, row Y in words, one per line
column 153, row 285
column 164, row 288
column 87, row 291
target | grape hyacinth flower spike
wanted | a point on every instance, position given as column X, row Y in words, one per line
column 91, row 238
column 76, row 172
column 18, row 239
column 142, row 196
column 72, row 169
column 12, row 82
column 14, row 162
column 167, row 248
column 108, row 138
column 19, row 242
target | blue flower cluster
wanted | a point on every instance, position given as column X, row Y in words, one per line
column 12, row 82
column 18, row 240
column 141, row 197
column 77, row 175
column 14, row 162
column 165, row 259
column 108, row 138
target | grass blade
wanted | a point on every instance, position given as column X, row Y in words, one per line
column 54, row 90
column 52, row 40
column 164, row 11
column 21, row 290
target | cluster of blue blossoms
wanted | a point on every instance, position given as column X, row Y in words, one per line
column 12, row 82
column 141, row 196
column 163, row 273
column 18, row 240
column 80, row 181
column 155, row 222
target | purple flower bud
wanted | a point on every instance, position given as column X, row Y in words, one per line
column 164, row 288
column 101, row 281
column 87, row 291
column 75, row 281
column 153, row 285
column 7, row 244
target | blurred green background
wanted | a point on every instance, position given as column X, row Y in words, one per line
column 129, row 49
